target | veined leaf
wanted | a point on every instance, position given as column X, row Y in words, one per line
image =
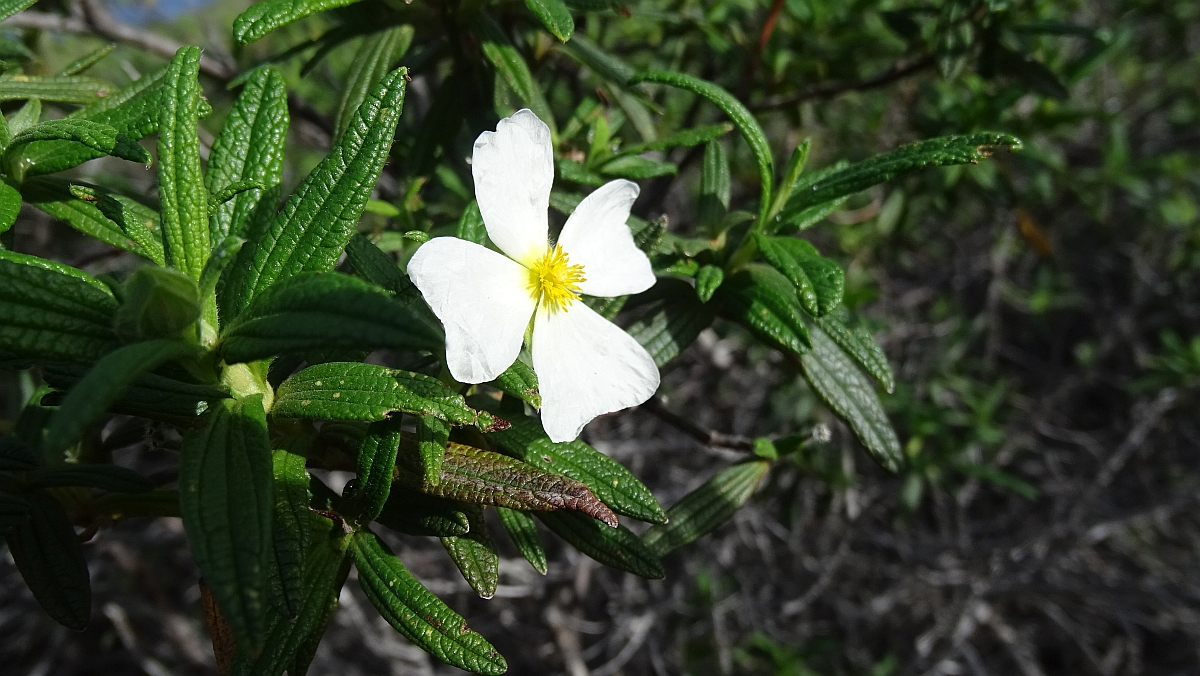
column 133, row 220
column 317, row 222
column 715, row 185
column 10, row 206
column 432, row 435
column 791, row 177
column 764, row 301
column 353, row 391
column 289, row 524
column 150, row 395
column 708, row 280
column 470, row 225
column 106, row 477
column 520, row 381
column 415, row 612
column 616, row 486
column 636, row 168
column 511, row 66
column 555, row 16
column 54, row 312
column 737, row 113
column 839, row 384
column 707, row 507
column 475, row 555
column 249, row 148
column 615, row 547
column 87, row 402
column 378, row 267
column 55, row 197
column 861, row 346
column 947, row 150
column 180, row 180
column 73, row 89
column 419, row 514
column 321, row 311
column 570, row 170
column 10, row 7
column 263, row 17
column 225, row 482
column 819, row 281
column 376, row 470
column 601, row 62
column 375, row 57
column 97, row 136
column 522, row 529
column 476, row 476
column 684, row 138
column 50, row 560
column 88, row 60
column 669, row 326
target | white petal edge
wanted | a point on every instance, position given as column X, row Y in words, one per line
column 586, row 366
column 513, row 168
column 597, row 237
column 481, row 298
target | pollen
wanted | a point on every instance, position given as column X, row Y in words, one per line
column 553, row 281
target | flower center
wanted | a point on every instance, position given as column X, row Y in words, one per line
column 554, row 281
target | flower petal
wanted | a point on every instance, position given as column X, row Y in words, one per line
column 513, row 169
column 586, row 366
column 597, row 238
column 483, row 301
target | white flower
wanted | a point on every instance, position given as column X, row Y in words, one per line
column 586, row 366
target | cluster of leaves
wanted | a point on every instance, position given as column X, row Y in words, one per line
column 241, row 332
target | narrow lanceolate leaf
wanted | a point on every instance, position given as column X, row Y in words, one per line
column 225, row 484
column 74, row 89
column 263, row 17
column 353, row 391
column 684, row 138
column 379, row 268
column 819, row 281
column 707, row 507
column 600, row 61
column 670, row 326
column 861, row 346
column 737, row 113
column 376, row 469
column 475, row 555
column 708, row 280
column 947, row 150
column 511, row 66
column 375, row 57
column 97, row 136
column 520, row 381
column 636, row 168
column 249, row 148
column 289, row 524
column 764, row 301
column 149, row 396
column 317, row 222
column 615, row 547
column 10, row 206
column 180, row 180
column 49, row 311
column 415, row 612
column 415, row 513
column 106, row 477
column 840, row 384
column 87, row 402
column 321, row 311
column 135, row 220
column 555, row 16
column 55, row 197
column 481, row 477
column 10, row 7
column 522, row 529
column 616, row 486
column 50, row 560
column 791, row 176
column 291, row 641
column 432, row 435
column 88, row 60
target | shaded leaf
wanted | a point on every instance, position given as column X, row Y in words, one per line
column 263, row 17
column 415, row 513
column 375, row 57
column 475, row 555
column 707, row 507
column 50, row 560
column 764, row 301
column 520, row 381
column 861, row 346
column 511, row 66
column 376, row 470
column 672, row 324
column 522, row 529
column 106, row 477
column 614, row 547
column 289, row 525
column 819, row 281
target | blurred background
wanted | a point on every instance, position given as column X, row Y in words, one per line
column 1041, row 312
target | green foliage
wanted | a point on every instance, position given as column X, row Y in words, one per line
column 707, row 507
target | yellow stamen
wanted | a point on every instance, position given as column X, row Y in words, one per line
column 553, row 281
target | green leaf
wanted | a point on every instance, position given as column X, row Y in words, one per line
column 52, row 311
column 480, row 477
column 616, row 486
column 375, row 57
column 707, row 507
column 601, row 62
column 321, row 311
column 844, row 389
column 520, row 381
column 73, row 89
column 106, row 477
column 715, row 185
column 510, row 65
column 88, row 60
column 684, row 138
column 289, row 524
column 378, row 267
column 225, row 482
column 570, row 170
column 13, row 512
column 432, row 435
column 134, row 220
column 263, row 17
column 10, row 206
column 149, row 396
column 249, row 148
column 16, row 455
column 418, row 514
column 764, row 301
column 667, row 327
column 522, row 529
column 861, row 346
column 100, row 137
column 415, row 612
column 317, row 222
column 352, row 391
column 475, row 555
column 87, row 402
column 791, row 176
column 636, row 168
column 708, row 280
column 737, row 113
column 50, row 560
column 947, row 150
column 56, row 197
column 180, row 180
column 555, row 16
column 157, row 303
column 10, row 7
column 376, row 470
column 614, row 547
column 470, row 225
column 819, row 281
